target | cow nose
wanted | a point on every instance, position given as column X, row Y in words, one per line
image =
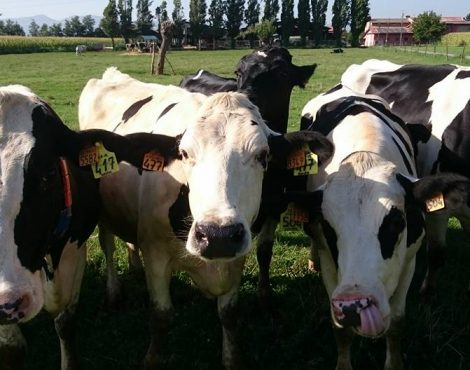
column 347, row 311
column 13, row 310
column 215, row 241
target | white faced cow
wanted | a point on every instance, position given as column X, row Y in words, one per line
column 438, row 96
column 49, row 205
column 267, row 76
column 194, row 215
column 371, row 223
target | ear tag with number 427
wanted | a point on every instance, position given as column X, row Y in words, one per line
column 435, row 203
column 153, row 161
column 106, row 164
column 303, row 161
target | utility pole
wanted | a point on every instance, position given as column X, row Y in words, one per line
column 401, row 27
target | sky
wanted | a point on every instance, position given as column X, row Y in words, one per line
column 60, row 9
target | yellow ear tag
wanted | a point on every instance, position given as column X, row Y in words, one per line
column 294, row 218
column 436, row 203
column 303, row 162
column 153, row 161
column 88, row 156
column 106, row 164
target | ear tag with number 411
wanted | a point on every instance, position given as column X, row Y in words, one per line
column 106, row 163
column 303, row 161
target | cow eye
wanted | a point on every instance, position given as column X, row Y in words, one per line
column 262, row 158
column 184, row 154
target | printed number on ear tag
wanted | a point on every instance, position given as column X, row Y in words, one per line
column 88, row 156
column 436, row 203
column 303, row 162
column 153, row 161
column 106, row 164
column 294, row 217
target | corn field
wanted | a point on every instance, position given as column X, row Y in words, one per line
column 25, row 44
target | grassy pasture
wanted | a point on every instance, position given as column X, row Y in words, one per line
column 300, row 337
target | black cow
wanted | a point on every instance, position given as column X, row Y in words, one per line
column 267, row 76
column 49, row 205
column 438, row 96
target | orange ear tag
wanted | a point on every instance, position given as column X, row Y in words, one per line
column 106, row 164
column 153, row 161
column 293, row 218
column 303, row 162
column 88, row 156
column 435, row 204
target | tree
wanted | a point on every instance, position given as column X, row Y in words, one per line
column 234, row 13
column 252, row 12
column 33, row 28
column 197, row 17
column 216, row 19
column 360, row 15
column 144, row 16
column 73, row 27
column 56, row 29
column 271, row 10
column 178, row 19
column 44, row 30
column 110, row 21
column 340, row 19
column 12, row 28
column 125, row 19
column 467, row 17
column 265, row 31
column 303, row 11
column 166, row 31
column 89, row 24
column 427, row 28
column 319, row 8
column 287, row 20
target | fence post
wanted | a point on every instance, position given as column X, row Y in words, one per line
column 462, row 57
column 447, row 51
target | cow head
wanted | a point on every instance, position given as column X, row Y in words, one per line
column 268, row 76
column 32, row 139
column 371, row 225
column 225, row 153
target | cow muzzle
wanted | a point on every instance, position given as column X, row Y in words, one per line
column 358, row 312
column 14, row 308
column 213, row 241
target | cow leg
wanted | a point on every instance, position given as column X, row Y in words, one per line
column 135, row 263
column 465, row 223
column 113, row 288
column 66, row 284
column 227, row 307
column 343, row 339
column 158, row 275
column 436, row 229
column 264, row 253
column 12, row 347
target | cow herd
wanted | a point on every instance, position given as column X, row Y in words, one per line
column 187, row 175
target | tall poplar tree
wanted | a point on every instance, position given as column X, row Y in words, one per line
column 216, row 20
column 125, row 19
column 110, row 21
column 287, row 21
column 319, row 8
column 234, row 13
column 340, row 19
column 252, row 13
column 360, row 15
column 303, row 11
column 197, row 17
column 178, row 19
column 271, row 10
column 144, row 16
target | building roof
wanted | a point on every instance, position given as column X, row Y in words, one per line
column 389, row 20
column 382, row 30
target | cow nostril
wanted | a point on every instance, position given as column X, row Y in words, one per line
column 238, row 233
column 200, row 236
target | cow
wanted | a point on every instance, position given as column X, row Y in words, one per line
column 366, row 214
column 195, row 215
column 439, row 97
column 49, row 205
column 267, row 76
column 80, row 49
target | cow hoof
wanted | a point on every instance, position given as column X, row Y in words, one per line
column 12, row 358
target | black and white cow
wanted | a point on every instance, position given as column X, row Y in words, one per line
column 196, row 214
column 49, row 205
column 267, row 77
column 370, row 224
column 438, row 96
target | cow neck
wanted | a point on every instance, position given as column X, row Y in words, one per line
column 65, row 215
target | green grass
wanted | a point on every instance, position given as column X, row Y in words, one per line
column 437, row 334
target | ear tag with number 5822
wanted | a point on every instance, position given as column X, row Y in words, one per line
column 106, row 164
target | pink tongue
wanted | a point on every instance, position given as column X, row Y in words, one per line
column 371, row 321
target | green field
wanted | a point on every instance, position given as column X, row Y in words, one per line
column 300, row 336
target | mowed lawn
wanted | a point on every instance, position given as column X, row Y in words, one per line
column 299, row 335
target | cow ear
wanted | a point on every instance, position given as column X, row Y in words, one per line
column 309, row 200
column 130, row 148
column 303, row 75
column 281, row 146
column 446, row 191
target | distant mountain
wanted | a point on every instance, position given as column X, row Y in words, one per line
column 24, row 22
